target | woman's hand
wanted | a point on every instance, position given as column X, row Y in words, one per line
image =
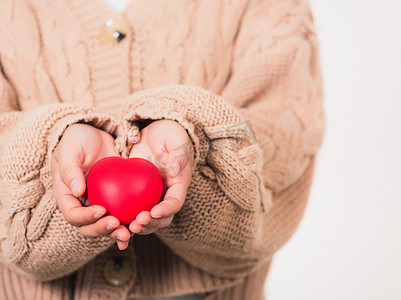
column 79, row 148
column 166, row 144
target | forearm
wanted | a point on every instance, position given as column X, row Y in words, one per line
column 36, row 239
column 248, row 192
column 226, row 188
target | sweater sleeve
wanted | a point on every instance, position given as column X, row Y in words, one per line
column 255, row 143
column 35, row 238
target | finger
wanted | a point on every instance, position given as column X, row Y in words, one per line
column 135, row 227
column 180, row 154
column 104, row 226
column 70, row 206
column 147, row 231
column 78, row 215
column 121, row 233
column 144, row 218
column 122, row 245
column 174, row 163
column 155, row 223
column 173, row 167
column 69, row 158
column 158, row 223
column 172, row 202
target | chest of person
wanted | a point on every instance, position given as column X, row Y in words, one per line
column 57, row 50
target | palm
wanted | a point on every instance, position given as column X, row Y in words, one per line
column 167, row 145
column 80, row 147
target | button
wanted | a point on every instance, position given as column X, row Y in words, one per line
column 115, row 30
column 116, row 271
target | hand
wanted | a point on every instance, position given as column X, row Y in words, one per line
column 79, row 148
column 166, row 144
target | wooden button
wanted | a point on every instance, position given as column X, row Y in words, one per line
column 116, row 271
column 115, row 30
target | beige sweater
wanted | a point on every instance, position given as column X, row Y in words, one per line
column 224, row 70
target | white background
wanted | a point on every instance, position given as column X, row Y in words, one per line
column 348, row 245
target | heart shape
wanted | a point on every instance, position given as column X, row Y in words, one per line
column 125, row 187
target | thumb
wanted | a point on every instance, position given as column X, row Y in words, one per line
column 71, row 174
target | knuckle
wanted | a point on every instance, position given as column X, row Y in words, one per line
column 113, row 235
column 173, row 203
column 164, row 225
column 101, row 229
column 153, row 223
column 70, row 219
column 65, row 173
column 146, row 231
column 168, row 204
column 84, row 232
column 167, row 222
column 72, row 222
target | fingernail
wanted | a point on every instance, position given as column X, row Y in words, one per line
column 98, row 214
column 174, row 169
column 75, row 187
column 120, row 239
column 110, row 226
column 134, row 135
column 133, row 140
column 143, row 223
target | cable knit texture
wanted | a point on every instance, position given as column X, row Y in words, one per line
column 242, row 77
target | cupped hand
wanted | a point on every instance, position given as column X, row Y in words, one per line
column 79, row 148
column 166, row 144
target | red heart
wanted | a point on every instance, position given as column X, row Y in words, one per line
column 125, row 187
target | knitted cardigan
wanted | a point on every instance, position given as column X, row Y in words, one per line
column 242, row 77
